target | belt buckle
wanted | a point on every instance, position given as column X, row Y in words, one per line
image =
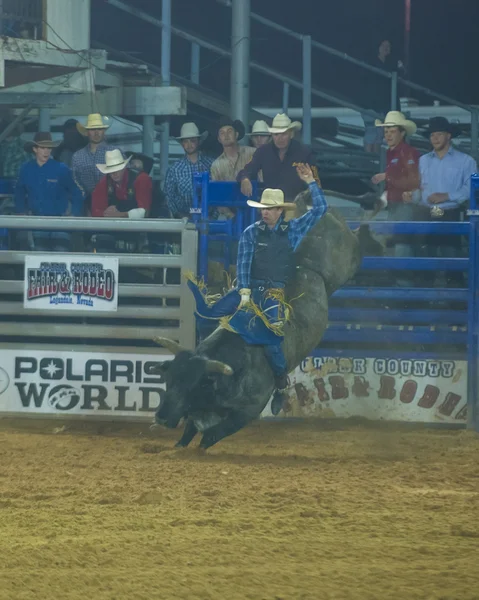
column 261, row 288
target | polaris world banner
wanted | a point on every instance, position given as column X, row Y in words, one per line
column 87, row 283
column 125, row 386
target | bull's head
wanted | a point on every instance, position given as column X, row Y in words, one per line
column 187, row 378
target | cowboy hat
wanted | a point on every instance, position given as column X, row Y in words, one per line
column 190, row 130
column 147, row 161
column 442, row 124
column 114, row 162
column 282, row 123
column 259, row 128
column 394, row 118
column 43, row 139
column 94, row 121
column 237, row 125
column 272, row 199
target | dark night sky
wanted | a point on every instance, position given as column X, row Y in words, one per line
column 444, row 42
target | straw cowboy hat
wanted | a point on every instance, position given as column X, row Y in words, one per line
column 272, row 199
column 43, row 139
column 259, row 128
column 442, row 124
column 237, row 125
column 114, row 162
column 190, row 130
column 394, row 118
column 94, row 121
column 282, row 123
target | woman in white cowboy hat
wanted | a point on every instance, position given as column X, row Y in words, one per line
column 84, row 161
column 401, row 175
column 179, row 177
column 277, row 160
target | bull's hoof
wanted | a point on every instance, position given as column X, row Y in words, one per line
column 277, row 403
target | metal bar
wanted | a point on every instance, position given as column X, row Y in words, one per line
column 380, row 353
column 164, row 149
column 43, row 119
column 307, row 85
column 165, row 41
column 148, row 140
column 475, row 133
column 123, row 312
column 92, row 224
column 171, row 261
column 426, row 294
column 415, row 264
column 404, row 317
column 11, row 126
column 195, row 63
column 285, row 103
column 371, row 335
column 189, row 243
column 394, row 91
column 436, row 95
column 76, row 331
column 418, row 227
column 125, row 290
column 473, row 329
column 240, row 51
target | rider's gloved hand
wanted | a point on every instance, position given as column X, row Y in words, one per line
column 245, row 296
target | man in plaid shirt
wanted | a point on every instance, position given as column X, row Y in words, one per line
column 179, row 177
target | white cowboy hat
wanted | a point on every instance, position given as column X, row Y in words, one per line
column 190, row 130
column 282, row 123
column 114, row 162
column 272, row 199
column 94, row 121
column 394, row 118
column 259, row 128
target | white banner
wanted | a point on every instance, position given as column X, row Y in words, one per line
column 79, row 383
column 431, row 391
column 85, row 282
column 123, row 385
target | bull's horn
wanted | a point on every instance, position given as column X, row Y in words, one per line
column 216, row 366
column 170, row 345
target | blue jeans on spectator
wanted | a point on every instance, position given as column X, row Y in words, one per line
column 403, row 244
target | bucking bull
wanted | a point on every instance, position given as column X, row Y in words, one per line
column 225, row 383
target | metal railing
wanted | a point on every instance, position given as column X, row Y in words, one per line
column 305, row 83
column 144, row 310
column 21, row 18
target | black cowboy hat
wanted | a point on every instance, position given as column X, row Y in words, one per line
column 42, row 138
column 237, row 125
column 148, row 161
column 442, row 124
column 69, row 124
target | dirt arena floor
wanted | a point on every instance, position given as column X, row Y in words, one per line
column 280, row 511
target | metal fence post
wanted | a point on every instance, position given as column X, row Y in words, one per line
column 148, row 141
column 307, row 84
column 240, row 61
column 394, row 91
column 189, row 252
column 195, row 63
column 44, row 119
column 475, row 133
column 473, row 311
column 285, row 97
column 165, row 76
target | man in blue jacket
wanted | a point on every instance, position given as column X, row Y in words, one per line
column 46, row 188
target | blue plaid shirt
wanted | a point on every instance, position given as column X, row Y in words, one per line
column 179, row 183
column 84, row 166
column 298, row 228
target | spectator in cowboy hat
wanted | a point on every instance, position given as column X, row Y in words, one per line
column 121, row 193
column 179, row 177
column 46, row 187
column 260, row 134
column 84, row 161
column 72, row 141
column 401, row 175
column 227, row 166
column 278, row 160
column 445, row 187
